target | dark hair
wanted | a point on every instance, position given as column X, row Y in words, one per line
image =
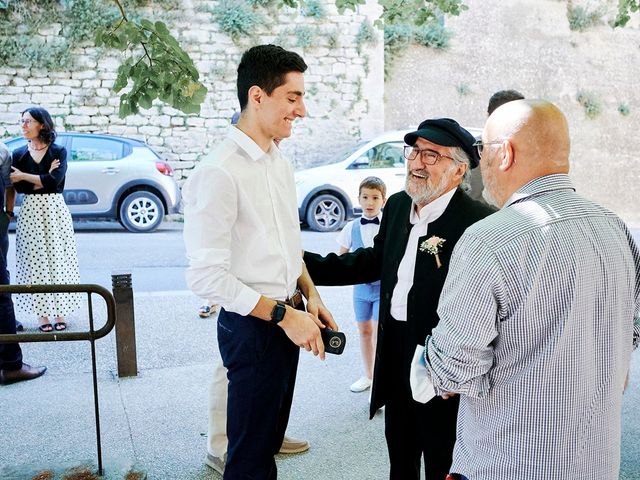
column 374, row 183
column 265, row 66
column 501, row 97
column 48, row 132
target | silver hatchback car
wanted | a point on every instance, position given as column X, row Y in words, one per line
column 115, row 178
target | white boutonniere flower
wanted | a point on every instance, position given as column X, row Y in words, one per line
column 433, row 245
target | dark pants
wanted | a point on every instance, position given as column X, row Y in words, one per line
column 10, row 353
column 416, row 430
column 262, row 363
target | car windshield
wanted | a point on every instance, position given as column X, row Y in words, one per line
column 345, row 152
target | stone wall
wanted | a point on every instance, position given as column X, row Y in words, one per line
column 344, row 83
column 527, row 45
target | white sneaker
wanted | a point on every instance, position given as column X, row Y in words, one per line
column 360, row 385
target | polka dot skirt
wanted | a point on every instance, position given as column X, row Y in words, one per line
column 46, row 254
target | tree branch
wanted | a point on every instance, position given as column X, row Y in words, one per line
column 124, row 15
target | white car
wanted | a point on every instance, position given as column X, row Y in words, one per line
column 328, row 195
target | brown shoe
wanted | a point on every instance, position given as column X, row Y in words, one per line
column 293, row 445
column 27, row 372
column 216, row 463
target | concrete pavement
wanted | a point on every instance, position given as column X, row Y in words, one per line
column 156, row 423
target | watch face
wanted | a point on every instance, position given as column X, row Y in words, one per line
column 277, row 314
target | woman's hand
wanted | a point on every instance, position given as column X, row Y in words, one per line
column 55, row 164
column 16, row 175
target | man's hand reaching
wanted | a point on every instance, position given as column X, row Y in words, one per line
column 317, row 308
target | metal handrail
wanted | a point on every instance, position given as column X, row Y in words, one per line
column 56, row 336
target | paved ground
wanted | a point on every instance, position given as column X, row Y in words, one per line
column 156, row 423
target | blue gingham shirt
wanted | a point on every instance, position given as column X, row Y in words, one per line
column 539, row 315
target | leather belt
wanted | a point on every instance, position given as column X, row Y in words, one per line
column 294, row 300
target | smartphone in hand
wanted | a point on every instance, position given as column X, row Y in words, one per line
column 333, row 340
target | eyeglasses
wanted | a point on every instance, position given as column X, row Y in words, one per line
column 26, row 121
column 428, row 157
column 480, row 145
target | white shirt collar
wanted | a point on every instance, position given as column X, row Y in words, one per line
column 246, row 143
column 431, row 211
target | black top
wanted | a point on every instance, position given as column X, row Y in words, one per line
column 51, row 182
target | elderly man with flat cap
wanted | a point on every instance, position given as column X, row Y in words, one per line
column 410, row 256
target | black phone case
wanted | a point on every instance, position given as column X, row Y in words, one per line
column 334, row 341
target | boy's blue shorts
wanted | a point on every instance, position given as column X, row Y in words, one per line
column 366, row 301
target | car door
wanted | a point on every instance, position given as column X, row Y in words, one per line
column 385, row 161
column 93, row 174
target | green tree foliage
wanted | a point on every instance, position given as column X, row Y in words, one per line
column 21, row 45
column 157, row 66
column 625, row 9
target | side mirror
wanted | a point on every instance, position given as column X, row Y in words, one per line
column 360, row 162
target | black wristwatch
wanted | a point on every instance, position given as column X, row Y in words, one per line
column 278, row 311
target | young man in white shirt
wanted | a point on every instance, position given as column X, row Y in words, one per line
column 242, row 238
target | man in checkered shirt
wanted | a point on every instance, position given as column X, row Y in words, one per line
column 539, row 315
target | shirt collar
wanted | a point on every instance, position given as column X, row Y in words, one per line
column 432, row 210
column 245, row 142
column 537, row 186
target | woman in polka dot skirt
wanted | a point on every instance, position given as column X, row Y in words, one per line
column 45, row 244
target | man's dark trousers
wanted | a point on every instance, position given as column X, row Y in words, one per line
column 415, row 430
column 262, row 363
column 10, row 353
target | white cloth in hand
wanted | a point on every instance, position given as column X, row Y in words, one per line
column 421, row 386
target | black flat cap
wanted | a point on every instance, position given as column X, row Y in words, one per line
column 447, row 133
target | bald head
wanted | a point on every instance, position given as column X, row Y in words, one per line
column 538, row 128
column 535, row 142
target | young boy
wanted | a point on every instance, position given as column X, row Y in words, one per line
column 366, row 297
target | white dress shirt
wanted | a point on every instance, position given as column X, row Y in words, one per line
column 241, row 225
column 429, row 213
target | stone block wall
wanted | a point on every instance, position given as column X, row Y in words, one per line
column 344, row 83
column 527, row 45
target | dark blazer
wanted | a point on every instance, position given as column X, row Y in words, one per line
column 51, row 182
column 381, row 262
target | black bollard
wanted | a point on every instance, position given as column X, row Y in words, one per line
column 125, row 325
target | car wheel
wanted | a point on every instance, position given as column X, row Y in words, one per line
column 325, row 213
column 141, row 211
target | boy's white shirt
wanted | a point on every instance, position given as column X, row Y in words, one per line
column 368, row 232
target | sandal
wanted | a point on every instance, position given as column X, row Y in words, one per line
column 46, row 327
column 204, row 311
column 59, row 326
